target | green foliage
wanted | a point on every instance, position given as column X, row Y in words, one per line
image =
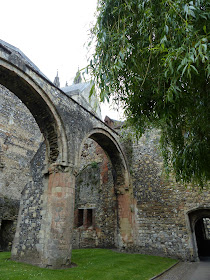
column 153, row 57
column 92, row 264
column 94, row 164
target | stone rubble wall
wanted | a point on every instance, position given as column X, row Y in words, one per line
column 162, row 222
column 19, row 140
column 32, row 210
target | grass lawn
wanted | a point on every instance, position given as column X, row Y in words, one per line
column 99, row 264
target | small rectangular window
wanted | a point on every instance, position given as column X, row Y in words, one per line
column 89, row 217
column 80, row 217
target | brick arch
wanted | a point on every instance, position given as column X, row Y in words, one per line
column 122, row 184
column 41, row 107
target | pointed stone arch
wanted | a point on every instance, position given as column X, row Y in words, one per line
column 40, row 106
column 122, row 184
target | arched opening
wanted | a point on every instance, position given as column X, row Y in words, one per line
column 114, row 176
column 20, row 139
column 28, row 118
column 202, row 233
column 116, row 156
column 95, row 224
column 37, row 106
column 37, row 241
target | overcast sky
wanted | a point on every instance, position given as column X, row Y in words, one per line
column 51, row 33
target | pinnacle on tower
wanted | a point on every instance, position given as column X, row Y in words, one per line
column 78, row 78
column 57, row 81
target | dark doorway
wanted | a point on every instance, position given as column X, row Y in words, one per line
column 6, row 235
column 202, row 232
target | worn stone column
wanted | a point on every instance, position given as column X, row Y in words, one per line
column 59, row 218
column 46, row 217
column 125, row 218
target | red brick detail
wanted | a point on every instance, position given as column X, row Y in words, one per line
column 60, row 206
column 125, row 216
column 104, row 165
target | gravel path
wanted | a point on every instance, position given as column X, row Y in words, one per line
column 188, row 271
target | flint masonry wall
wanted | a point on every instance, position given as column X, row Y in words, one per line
column 32, row 209
column 162, row 205
column 19, row 140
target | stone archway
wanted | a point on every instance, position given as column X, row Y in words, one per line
column 45, row 247
column 40, row 106
column 48, row 203
column 200, row 229
column 122, row 185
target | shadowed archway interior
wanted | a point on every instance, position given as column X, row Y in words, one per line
column 202, row 233
column 36, row 106
column 200, row 228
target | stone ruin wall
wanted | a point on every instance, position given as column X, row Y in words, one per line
column 19, row 140
column 162, row 205
column 8, row 222
column 22, row 163
column 32, row 209
column 161, row 220
column 95, row 190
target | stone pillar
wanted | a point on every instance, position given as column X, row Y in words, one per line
column 59, row 218
column 45, row 223
column 125, row 218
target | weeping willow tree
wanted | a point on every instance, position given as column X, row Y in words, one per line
column 153, row 57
